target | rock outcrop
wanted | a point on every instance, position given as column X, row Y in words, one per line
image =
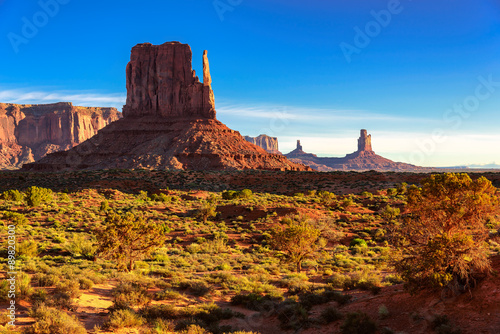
column 361, row 160
column 29, row 132
column 270, row 144
column 365, row 142
column 161, row 82
column 169, row 123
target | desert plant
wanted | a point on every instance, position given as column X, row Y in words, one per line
column 128, row 238
column 297, row 238
column 52, row 321
column 358, row 323
column 331, row 314
column 35, row 196
column 442, row 240
column 208, row 209
column 13, row 195
column 124, row 318
column 81, row 246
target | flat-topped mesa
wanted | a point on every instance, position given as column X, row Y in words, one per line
column 161, row 82
column 365, row 142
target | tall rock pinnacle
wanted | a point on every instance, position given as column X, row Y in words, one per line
column 161, row 82
column 365, row 142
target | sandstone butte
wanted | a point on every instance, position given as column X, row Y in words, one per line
column 270, row 144
column 169, row 122
column 362, row 160
column 29, row 132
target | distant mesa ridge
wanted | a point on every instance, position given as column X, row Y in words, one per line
column 30, row 131
column 363, row 159
column 169, row 122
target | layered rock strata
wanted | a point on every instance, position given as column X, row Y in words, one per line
column 270, row 144
column 29, row 132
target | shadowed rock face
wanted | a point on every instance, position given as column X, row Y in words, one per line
column 161, row 82
column 169, row 123
column 29, row 132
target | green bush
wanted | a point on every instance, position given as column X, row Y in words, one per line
column 17, row 219
column 293, row 315
column 358, row 242
column 128, row 295
column 331, row 314
column 231, row 194
column 27, row 248
column 12, row 195
column 124, row 319
column 81, row 246
column 52, row 321
column 358, row 323
column 35, row 196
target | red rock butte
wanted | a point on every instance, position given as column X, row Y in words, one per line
column 168, row 123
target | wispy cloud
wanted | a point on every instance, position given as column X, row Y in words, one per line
column 309, row 114
column 81, row 98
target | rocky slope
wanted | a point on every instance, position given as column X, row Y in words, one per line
column 270, row 144
column 169, row 123
column 361, row 160
column 29, row 132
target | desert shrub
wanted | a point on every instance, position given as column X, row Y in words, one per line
column 347, row 202
column 364, row 280
column 168, row 294
column 17, row 219
column 441, row 325
column 124, row 319
column 357, row 242
column 392, row 192
column 64, row 293
column 12, row 195
column 23, row 283
column 42, row 279
column 85, row 283
column 196, row 287
column 442, row 241
column 53, row 321
column 389, row 213
column 160, row 311
column 161, row 198
column 81, row 246
column 231, row 194
column 128, row 238
column 4, row 290
column 293, row 315
column 127, row 295
column 383, row 312
column 39, row 297
column 35, row 196
column 297, row 238
column 254, row 301
column 27, row 248
column 207, row 209
column 331, row 314
column 358, row 323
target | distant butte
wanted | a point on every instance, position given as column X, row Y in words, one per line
column 361, row 160
column 169, row 122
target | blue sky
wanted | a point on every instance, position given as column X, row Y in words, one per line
column 424, row 79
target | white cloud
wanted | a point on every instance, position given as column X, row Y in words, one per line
column 309, row 114
column 85, row 98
